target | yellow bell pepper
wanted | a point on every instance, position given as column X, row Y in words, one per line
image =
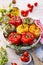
column 22, row 28
column 15, row 11
column 35, row 30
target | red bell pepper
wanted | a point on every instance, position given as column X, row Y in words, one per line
column 16, row 20
column 27, row 38
column 14, row 38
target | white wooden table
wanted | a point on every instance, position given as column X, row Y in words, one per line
column 22, row 4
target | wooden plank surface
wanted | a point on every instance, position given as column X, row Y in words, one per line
column 36, row 60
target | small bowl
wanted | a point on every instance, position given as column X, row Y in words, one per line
column 26, row 63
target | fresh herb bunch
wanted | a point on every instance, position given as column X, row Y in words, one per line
column 3, row 56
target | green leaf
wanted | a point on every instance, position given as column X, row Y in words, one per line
column 3, row 11
column 10, row 10
column 3, row 56
column 10, row 5
column 0, row 18
column 15, row 47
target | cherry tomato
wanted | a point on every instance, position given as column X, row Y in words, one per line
column 32, row 6
column 25, row 53
column 35, row 4
column 22, row 58
column 26, row 59
column 29, row 5
column 24, row 13
column 30, row 10
column 14, row 64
